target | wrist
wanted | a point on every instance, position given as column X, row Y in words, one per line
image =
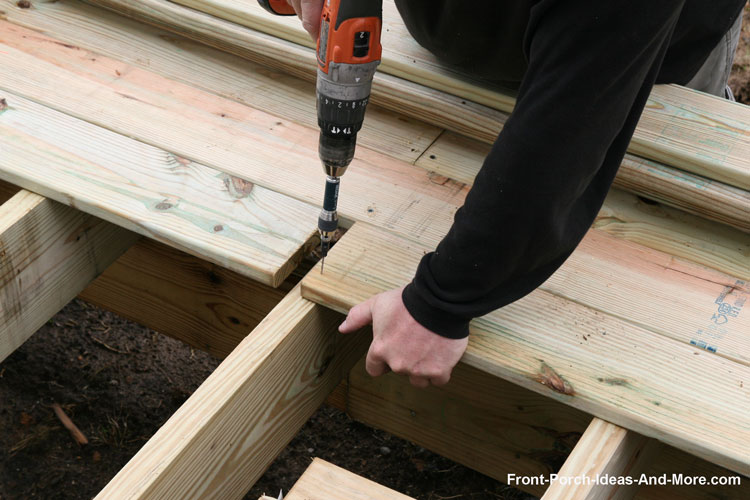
column 434, row 319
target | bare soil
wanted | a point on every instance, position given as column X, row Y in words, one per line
column 119, row 382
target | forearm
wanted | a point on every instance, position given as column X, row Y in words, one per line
column 551, row 167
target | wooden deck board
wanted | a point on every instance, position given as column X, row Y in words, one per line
column 226, row 75
column 576, row 354
column 702, row 134
column 246, row 228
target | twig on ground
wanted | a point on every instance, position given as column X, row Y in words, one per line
column 79, row 437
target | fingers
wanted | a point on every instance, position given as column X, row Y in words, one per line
column 359, row 316
column 311, row 16
column 375, row 365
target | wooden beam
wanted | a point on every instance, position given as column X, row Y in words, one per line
column 499, row 428
column 691, row 193
column 325, row 481
column 224, row 219
column 225, row 435
column 48, row 254
column 212, row 70
column 481, row 421
column 671, row 129
column 195, row 301
column 221, row 134
column 605, row 365
column 604, row 450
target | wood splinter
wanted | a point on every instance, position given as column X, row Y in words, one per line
column 79, row 437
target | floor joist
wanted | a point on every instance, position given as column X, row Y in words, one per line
column 603, row 450
column 225, row 435
column 48, row 254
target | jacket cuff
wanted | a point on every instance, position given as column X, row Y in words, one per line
column 436, row 320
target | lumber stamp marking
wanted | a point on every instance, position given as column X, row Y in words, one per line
column 227, row 433
column 604, row 449
column 606, row 365
column 48, row 254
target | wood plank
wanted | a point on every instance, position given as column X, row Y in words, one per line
column 499, row 428
column 674, row 232
column 656, row 181
column 478, row 420
column 195, row 301
column 225, row 435
column 604, row 450
column 325, row 481
column 460, row 158
column 222, row 134
column 703, row 134
column 439, row 108
column 211, row 70
column 601, row 364
column 690, row 193
column 246, row 228
column 48, row 254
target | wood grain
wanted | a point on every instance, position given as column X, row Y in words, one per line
column 702, row 134
column 48, row 254
column 211, row 70
column 442, row 109
column 155, row 193
column 601, row 364
column 644, row 177
column 499, row 428
column 225, row 435
column 603, row 450
column 195, row 301
column 233, row 138
column 483, row 422
column 460, row 158
column 325, row 481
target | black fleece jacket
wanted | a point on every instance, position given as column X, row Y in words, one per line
column 584, row 70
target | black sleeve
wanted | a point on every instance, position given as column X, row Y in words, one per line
column 592, row 65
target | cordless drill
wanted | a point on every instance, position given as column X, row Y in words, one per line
column 348, row 53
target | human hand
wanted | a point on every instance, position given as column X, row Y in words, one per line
column 309, row 13
column 401, row 344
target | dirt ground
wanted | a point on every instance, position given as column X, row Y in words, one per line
column 119, row 382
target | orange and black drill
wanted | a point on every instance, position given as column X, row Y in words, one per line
column 348, row 53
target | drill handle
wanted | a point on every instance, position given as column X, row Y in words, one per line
column 350, row 32
column 277, row 7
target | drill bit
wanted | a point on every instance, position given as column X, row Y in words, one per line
column 328, row 220
column 322, row 258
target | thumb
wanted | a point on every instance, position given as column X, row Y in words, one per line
column 359, row 316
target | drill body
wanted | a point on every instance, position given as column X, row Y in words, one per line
column 348, row 54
